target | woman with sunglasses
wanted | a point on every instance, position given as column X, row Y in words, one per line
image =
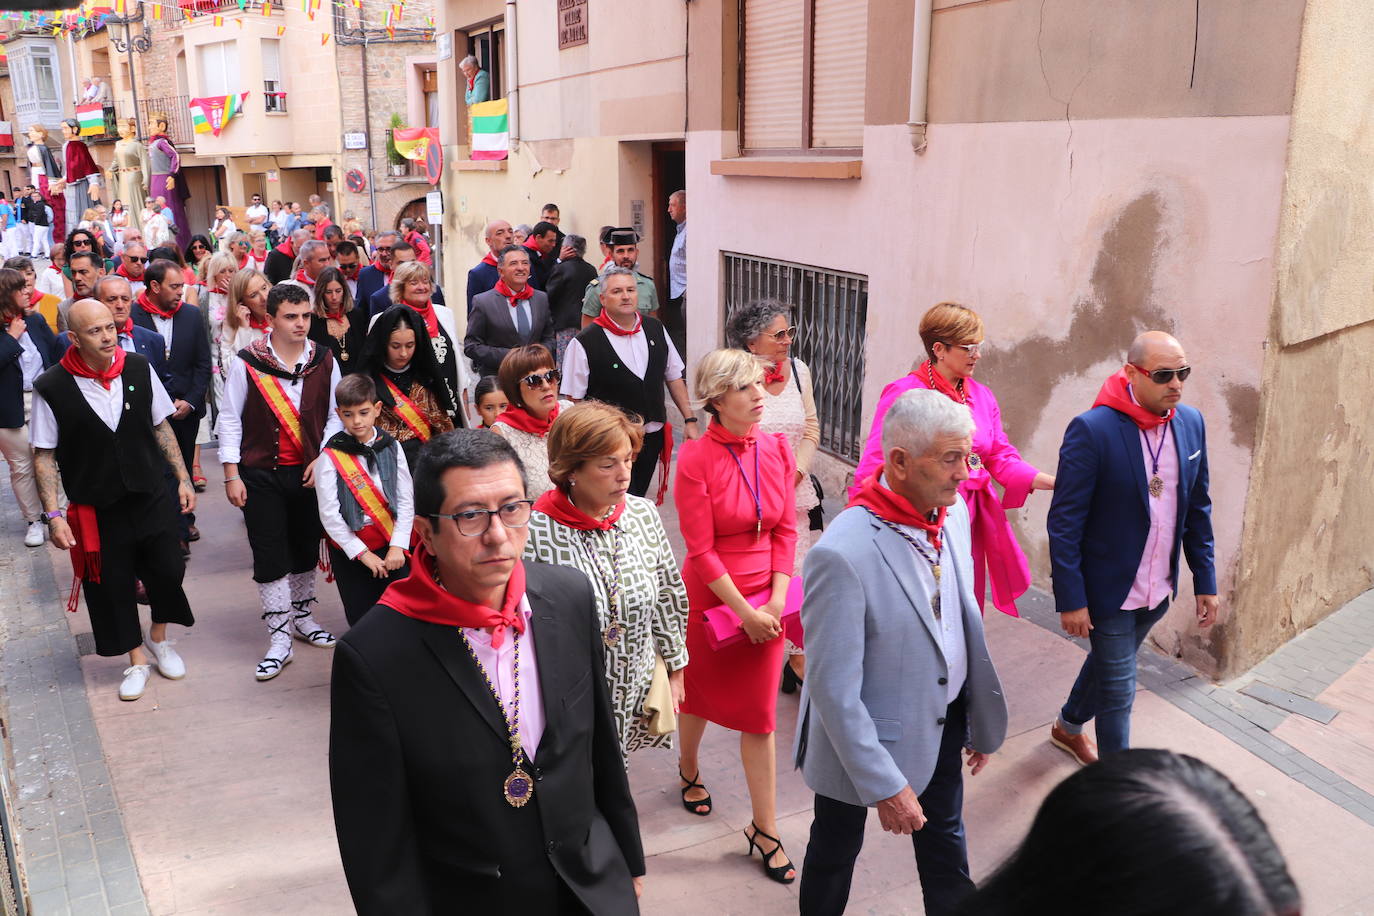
column 530, row 382
column 953, row 338
column 200, row 248
column 81, row 239
column 764, row 328
column 415, row 401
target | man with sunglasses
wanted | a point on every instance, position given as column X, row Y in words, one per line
column 348, row 260
column 376, row 275
column 1130, row 495
column 132, row 263
column 473, row 753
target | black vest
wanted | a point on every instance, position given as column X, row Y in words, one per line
column 99, row 466
column 609, row 379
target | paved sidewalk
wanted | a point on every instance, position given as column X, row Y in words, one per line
column 222, row 787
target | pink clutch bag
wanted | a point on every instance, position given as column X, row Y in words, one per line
column 723, row 626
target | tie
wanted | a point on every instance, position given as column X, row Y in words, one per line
column 522, row 322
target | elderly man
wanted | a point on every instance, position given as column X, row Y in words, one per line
column 131, row 234
column 100, row 418
column 623, row 247
column 478, row 87
column 319, row 216
column 898, row 677
column 86, row 267
column 484, row 275
column 511, row 315
column 625, row 358
column 473, row 754
column 132, row 262
column 377, row 275
column 281, row 260
column 315, row 202
column 401, row 253
column 115, row 293
column 314, row 258
column 676, row 313
column 1131, row 490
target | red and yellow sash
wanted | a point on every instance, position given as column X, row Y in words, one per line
column 377, row 534
column 288, row 416
column 410, row 414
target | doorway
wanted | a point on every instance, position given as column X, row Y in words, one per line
column 669, row 175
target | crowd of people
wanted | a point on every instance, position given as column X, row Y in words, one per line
column 484, row 491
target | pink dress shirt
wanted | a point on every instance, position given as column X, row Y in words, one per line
column 1151, row 584
column 499, row 665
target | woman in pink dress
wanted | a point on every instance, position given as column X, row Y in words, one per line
column 953, row 338
column 736, row 502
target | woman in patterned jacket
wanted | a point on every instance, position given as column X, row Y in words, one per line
column 590, row 522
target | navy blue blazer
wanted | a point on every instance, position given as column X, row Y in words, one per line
column 370, row 279
column 50, row 350
column 380, row 301
column 186, row 373
column 1099, row 517
column 481, row 278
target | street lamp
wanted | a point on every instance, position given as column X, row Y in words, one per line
column 128, row 45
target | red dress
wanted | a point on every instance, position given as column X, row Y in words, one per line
column 736, row 687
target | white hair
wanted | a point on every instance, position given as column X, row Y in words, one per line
column 469, row 61
column 916, row 418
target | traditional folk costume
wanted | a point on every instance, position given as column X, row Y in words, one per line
column 366, row 502
column 165, row 163
column 43, row 170
column 101, row 426
column 641, row 602
column 271, row 425
column 82, row 174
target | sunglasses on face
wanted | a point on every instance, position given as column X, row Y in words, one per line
column 535, row 380
column 1165, row 376
column 133, row 259
column 784, row 334
column 81, row 243
column 349, row 267
column 974, row 350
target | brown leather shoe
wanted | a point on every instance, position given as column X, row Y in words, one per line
column 1080, row 746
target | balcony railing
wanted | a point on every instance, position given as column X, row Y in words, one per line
column 178, row 112
column 274, row 98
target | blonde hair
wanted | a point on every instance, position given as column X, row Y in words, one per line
column 722, row 371
column 410, row 270
column 238, row 289
column 586, row 432
column 211, row 266
column 949, row 323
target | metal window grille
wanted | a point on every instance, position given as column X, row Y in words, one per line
column 273, row 96
column 831, row 310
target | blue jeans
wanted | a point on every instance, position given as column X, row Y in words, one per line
column 1105, row 689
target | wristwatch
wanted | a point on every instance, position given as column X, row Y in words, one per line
column 690, row 420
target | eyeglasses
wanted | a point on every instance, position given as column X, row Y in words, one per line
column 1164, row 376
column 381, row 248
column 974, row 350
column 133, row 259
column 535, row 380
column 354, row 266
column 475, row 522
column 82, row 242
column 784, row 334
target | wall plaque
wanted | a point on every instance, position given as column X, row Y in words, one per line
column 572, row 23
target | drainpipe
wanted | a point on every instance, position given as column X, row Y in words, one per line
column 367, row 125
column 920, row 74
column 512, row 73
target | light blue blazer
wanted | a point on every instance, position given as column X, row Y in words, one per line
column 873, row 699
column 481, row 89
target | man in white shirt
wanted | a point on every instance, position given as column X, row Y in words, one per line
column 257, row 213
column 624, row 357
column 100, row 417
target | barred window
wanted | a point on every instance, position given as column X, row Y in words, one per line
column 831, row 311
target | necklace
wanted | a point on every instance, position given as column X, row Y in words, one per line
column 609, row 578
column 921, row 551
column 958, row 386
column 1156, row 482
column 755, row 489
column 518, row 787
column 341, row 338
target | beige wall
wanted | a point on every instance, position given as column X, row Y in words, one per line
column 1307, row 528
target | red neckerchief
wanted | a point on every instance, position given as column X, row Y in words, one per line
column 514, row 297
column 535, row 253
column 286, row 249
column 73, row 362
column 147, row 305
column 303, row 277
column 472, row 81
column 774, row 374
column 58, row 269
column 127, row 328
column 431, row 319
column 888, row 505
column 521, row 419
column 86, row 554
column 1116, row 394
column 254, row 255
column 556, row 505
column 259, row 324
column 419, row 596
column 35, row 297
column 243, row 262
column 609, row 324
column 603, row 264
column 489, row 258
column 121, row 272
column 384, row 272
column 220, row 290
column 717, row 431
column 937, row 382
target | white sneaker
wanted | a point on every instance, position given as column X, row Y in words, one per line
column 168, row 663
column 135, row 679
column 36, row 535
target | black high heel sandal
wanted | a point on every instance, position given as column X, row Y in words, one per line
column 777, row 873
column 692, row 806
column 790, row 681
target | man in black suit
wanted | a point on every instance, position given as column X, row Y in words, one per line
column 187, row 354
column 281, row 261
column 473, row 755
column 512, row 315
column 376, row 275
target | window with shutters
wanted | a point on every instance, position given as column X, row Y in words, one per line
column 802, row 76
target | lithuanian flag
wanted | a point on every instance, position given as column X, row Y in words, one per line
column 490, row 129
column 91, row 117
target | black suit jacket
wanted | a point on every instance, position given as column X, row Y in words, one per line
column 186, row 373
column 418, row 753
column 278, row 266
column 491, row 329
column 566, row 288
column 50, row 350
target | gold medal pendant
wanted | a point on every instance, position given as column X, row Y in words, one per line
column 611, row 635
column 519, row 788
column 1156, row 486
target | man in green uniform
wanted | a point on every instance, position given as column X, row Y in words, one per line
column 624, row 244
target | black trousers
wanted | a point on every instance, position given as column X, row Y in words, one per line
column 674, row 315
column 138, row 542
column 642, row 474
column 359, row 590
column 186, row 430
column 283, row 522
column 837, row 835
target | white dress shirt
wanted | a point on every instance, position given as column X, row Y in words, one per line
column 30, row 361
column 633, row 350
column 327, row 495
column 230, row 429
column 109, row 406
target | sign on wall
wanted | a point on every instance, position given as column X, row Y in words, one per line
column 637, row 217
column 355, row 139
column 572, row 23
